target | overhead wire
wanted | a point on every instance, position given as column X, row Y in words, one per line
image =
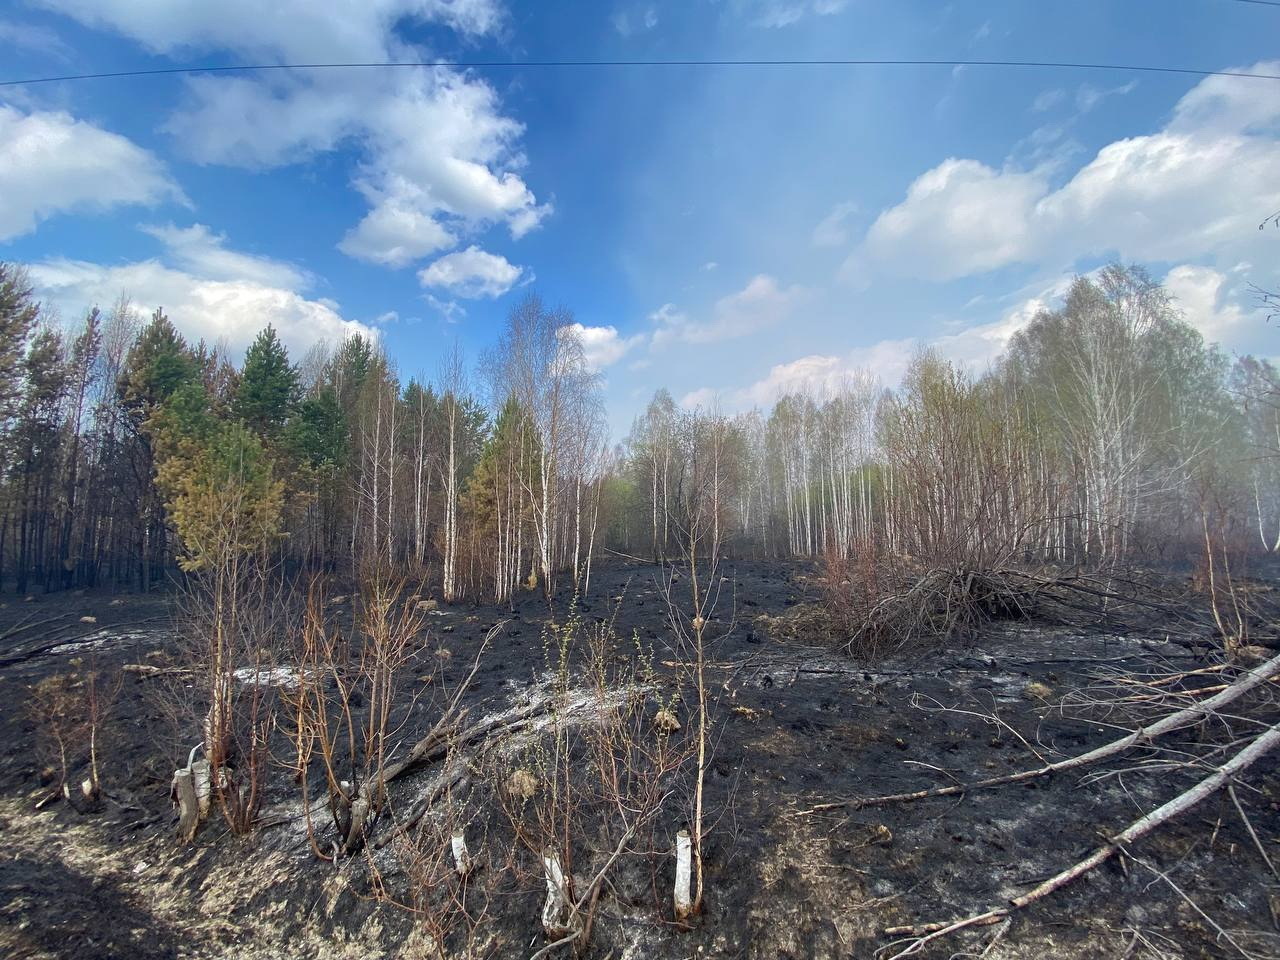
column 588, row 64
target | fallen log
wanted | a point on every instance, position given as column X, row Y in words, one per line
column 1256, row 750
column 359, row 811
column 454, row 779
column 1259, row 675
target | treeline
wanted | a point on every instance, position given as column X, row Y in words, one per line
column 1108, row 432
column 131, row 454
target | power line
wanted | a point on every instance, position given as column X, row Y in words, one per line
column 525, row 64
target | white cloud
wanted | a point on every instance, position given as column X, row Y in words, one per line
column 833, row 230
column 760, row 304
column 1202, row 295
column 38, row 39
column 1190, row 190
column 784, row 13
column 627, row 21
column 471, row 273
column 885, row 362
column 603, row 346
column 394, row 233
column 1048, row 99
column 959, row 218
column 704, row 398
column 203, row 253
column 1088, row 96
column 709, row 266
column 451, row 310
column 52, row 163
column 816, row 374
column 439, row 160
column 300, row 31
column 200, row 307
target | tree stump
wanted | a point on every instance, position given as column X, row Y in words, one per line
column 683, row 899
column 557, row 913
column 184, row 795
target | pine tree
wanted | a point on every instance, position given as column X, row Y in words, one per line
column 158, row 364
column 221, row 495
column 18, row 313
column 268, row 389
column 37, row 437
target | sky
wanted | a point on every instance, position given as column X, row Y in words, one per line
column 726, row 232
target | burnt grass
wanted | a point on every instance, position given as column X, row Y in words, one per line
column 799, row 723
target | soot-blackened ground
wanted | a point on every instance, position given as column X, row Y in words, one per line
column 799, row 724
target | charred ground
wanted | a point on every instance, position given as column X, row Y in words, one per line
column 799, row 723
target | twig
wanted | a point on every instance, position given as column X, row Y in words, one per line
column 924, row 933
column 1174, row 721
column 1231, row 792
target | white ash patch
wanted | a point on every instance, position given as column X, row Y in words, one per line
column 103, row 639
column 284, row 677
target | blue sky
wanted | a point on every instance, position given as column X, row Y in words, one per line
column 727, row 232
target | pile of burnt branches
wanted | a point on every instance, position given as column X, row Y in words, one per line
column 934, row 606
column 901, row 605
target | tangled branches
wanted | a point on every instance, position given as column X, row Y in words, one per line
column 887, row 605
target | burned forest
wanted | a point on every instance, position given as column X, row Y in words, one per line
column 302, row 656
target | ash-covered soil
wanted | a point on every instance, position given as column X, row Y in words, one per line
column 799, row 724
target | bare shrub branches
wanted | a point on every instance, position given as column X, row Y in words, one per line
column 71, row 711
column 348, row 710
column 590, row 786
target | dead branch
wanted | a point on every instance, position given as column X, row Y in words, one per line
column 1254, row 678
column 580, row 922
column 150, row 670
column 453, row 779
column 1260, row 747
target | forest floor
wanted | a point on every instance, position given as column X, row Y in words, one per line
column 800, row 724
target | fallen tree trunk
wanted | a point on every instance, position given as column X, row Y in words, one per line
column 1175, row 721
column 372, row 793
column 1179, row 805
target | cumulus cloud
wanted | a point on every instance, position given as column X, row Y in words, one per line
column 471, row 273
column 884, row 362
column 52, row 163
column 758, row 305
column 1203, row 296
column 959, row 218
column 208, row 290
column 1192, row 189
column 214, row 310
column 200, row 251
column 439, row 160
column 603, row 346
